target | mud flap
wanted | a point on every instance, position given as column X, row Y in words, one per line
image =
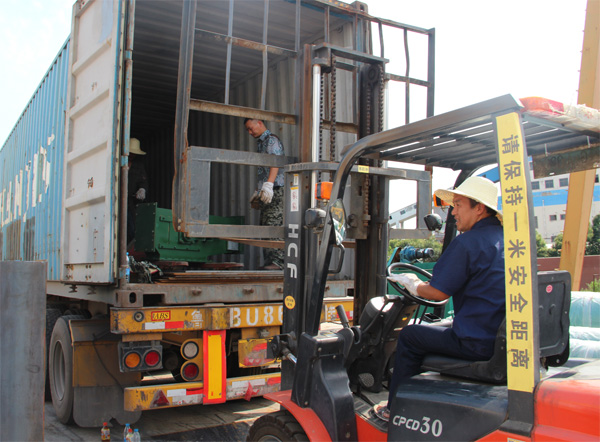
column 94, row 405
column 97, row 381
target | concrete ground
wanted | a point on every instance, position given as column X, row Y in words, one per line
column 221, row 422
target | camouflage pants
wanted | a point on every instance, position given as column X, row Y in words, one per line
column 272, row 215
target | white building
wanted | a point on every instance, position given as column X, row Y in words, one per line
column 550, row 204
column 549, row 201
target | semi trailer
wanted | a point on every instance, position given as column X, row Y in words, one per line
column 186, row 299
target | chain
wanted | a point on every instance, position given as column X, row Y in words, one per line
column 333, row 112
column 321, row 115
column 381, row 104
column 370, row 126
column 367, row 179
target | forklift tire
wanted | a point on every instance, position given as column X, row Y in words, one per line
column 276, row 427
column 52, row 315
column 60, row 369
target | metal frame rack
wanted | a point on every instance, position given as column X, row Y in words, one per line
column 316, row 61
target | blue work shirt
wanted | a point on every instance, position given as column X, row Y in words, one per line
column 271, row 144
column 471, row 271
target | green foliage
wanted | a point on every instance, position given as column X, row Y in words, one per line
column 593, row 286
column 593, row 240
column 596, row 228
column 542, row 249
column 593, row 245
column 419, row 244
column 556, row 246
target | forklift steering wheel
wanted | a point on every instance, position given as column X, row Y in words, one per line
column 418, row 299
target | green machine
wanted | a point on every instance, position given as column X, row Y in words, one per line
column 156, row 237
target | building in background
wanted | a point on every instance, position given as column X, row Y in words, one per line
column 549, row 201
column 550, row 204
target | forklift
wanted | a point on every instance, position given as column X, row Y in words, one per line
column 529, row 389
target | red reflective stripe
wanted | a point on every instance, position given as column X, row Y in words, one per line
column 191, row 391
column 174, row 324
column 273, row 381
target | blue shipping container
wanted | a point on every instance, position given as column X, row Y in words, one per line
column 31, row 171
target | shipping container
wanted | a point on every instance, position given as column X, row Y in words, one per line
column 187, row 297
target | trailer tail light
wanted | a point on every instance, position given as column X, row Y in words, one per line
column 132, row 360
column 190, row 371
column 140, row 356
column 190, row 349
column 192, row 368
column 152, row 358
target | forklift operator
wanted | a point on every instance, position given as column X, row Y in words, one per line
column 471, row 271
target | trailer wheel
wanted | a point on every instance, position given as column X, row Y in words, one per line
column 52, row 315
column 60, row 369
column 85, row 314
column 276, row 427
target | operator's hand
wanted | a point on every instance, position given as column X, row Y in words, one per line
column 254, row 201
column 266, row 193
column 141, row 194
column 408, row 280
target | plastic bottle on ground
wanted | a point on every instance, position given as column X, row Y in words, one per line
column 105, row 432
column 136, row 436
column 129, row 437
column 125, row 431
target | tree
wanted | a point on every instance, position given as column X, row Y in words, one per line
column 556, row 246
column 593, row 240
column 593, row 245
column 542, row 249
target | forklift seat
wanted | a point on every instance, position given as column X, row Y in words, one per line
column 554, row 293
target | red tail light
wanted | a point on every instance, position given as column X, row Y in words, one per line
column 152, row 358
column 190, row 371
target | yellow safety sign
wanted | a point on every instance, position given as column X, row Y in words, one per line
column 521, row 364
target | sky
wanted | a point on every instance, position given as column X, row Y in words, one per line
column 483, row 49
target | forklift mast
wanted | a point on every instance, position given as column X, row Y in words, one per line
column 319, row 68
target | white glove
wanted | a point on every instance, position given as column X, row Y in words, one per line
column 408, row 280
column 266, row 193
column 141, row 194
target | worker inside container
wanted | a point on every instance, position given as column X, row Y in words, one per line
column 268, row 196
column 137, row 186
column 471, row 271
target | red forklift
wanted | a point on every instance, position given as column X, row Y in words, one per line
column 529, row 389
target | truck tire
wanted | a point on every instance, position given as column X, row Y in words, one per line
column 52, row 315
column 85, row 314
column 276, row 427
column 60, row 369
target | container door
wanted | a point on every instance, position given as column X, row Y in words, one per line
column 90, row 186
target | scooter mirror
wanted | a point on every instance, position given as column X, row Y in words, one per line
column 338, row 216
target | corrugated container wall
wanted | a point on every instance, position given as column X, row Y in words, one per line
column 32, row 157
column 155, row 61
column 31, row 170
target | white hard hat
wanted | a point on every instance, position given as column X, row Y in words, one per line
column 477, row 188
column 134, row 147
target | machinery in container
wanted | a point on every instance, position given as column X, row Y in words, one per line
column 180, row 76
